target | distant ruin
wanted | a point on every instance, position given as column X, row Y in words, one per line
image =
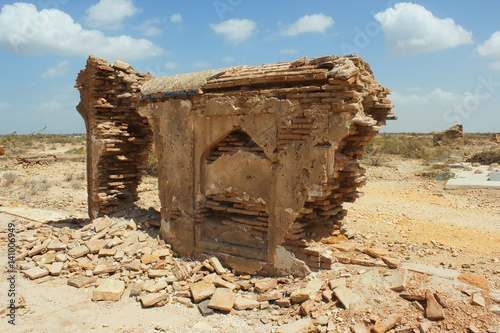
column 254, row 162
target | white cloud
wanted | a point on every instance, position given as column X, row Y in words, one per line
column 235, row 30
column 289, row 51
column 228, row 59
column 411, row 29
column 24, row 30
column 309, row 23
column 176, row 18
column 436, row 110
column 109, row 13
column 60, row 69
column 50, row 107
column 491, row 50
column 172, row 65
column 148, row 27
column 202, row 63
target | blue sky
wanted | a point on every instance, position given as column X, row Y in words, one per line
column 441, row 58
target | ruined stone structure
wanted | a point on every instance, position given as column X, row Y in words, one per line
column 118, row 138
column 254, row 161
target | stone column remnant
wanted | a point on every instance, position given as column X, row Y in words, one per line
column 118, row 139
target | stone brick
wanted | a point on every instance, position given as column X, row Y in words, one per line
column 218, row 282
column 433, row 310
column 391, row 262
column 109, row 290
column 265, row 284
column 149, row 300
column 36, row 273
column 204, row 309
column 56, row 268
column 474, row 280
column 101, row 224
column 271, row 295
column 154, row 273
column 107, row 252
column 309, row 292
column 81, row 281
column 78, row 251
column 376, row 252
column 162, row 284
column 243, row 303
column 398, row 280
column 56, row 245
column 299, row 326
column 222, row 299
column 217, row 265
column 96, row 245
column 202, row 290
column 386, row 324
column 346, row 296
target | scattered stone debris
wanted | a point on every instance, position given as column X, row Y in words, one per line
column 360, row 295
column 28, row 161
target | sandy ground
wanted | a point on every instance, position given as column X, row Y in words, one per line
column 408, row 214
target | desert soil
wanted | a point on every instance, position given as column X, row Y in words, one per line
column 402, row 212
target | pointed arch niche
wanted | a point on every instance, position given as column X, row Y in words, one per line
column 234, row 218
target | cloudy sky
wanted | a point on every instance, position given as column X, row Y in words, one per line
column 441, row 58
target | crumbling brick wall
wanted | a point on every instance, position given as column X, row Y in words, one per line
column 254, row 162
column 118, row 138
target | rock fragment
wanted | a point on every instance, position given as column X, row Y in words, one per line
column 36, row 273
column 109, row 290
column 346, row 296
column 222, row 299
column 433, row 310
column 149, row 300
column 386, row 324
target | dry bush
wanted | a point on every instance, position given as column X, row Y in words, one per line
column 36, row 185
column 77, row 151
column 76, row 184
column 486, row 157
column 152, row 164
column 9, row 178
column 68, row 176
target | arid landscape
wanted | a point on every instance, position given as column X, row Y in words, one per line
column 441, row 250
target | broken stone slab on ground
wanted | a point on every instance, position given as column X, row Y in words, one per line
column 386, row 324
column 346, row 296
column 301, row 325
column 222, row 299
column 36, row 273
column 202, row 290
column 109, row 290
column 149, row 300
column 81, row 281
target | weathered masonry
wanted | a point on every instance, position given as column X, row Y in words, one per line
column 254, row 161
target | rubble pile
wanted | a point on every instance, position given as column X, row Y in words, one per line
column 365, row 288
